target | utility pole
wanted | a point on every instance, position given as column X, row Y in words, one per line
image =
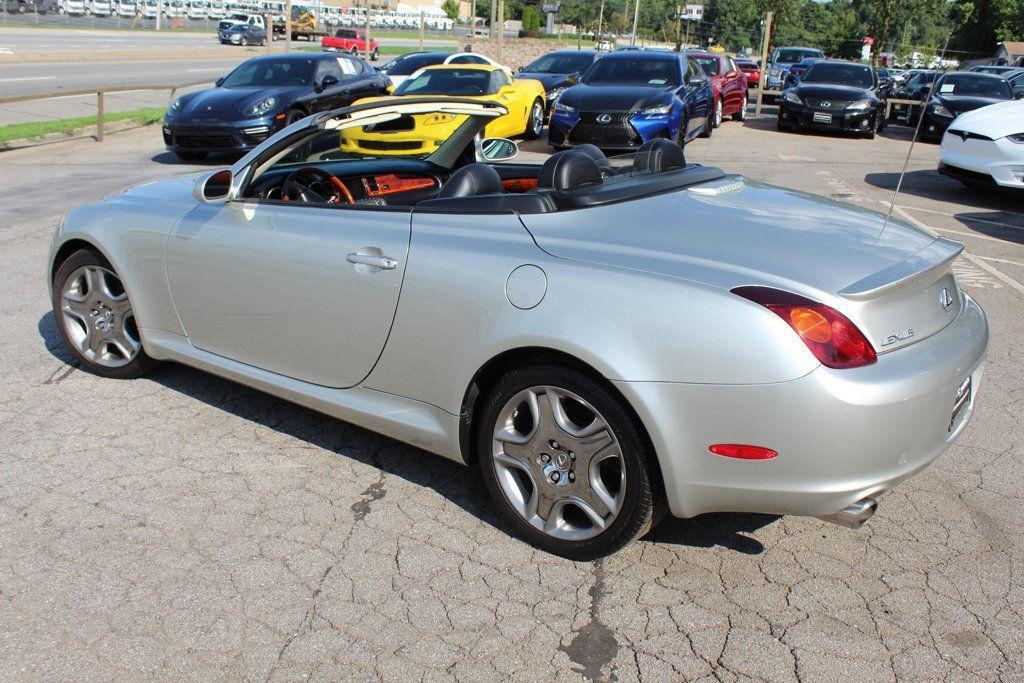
column 687, row 43
column 422, row 29
column 288, row 27
column 765, row 42
column 366, row 33
column 679, row 27
column 636, row 18
column 472, row 21
column 501, row 31
column 494, row 13
column 600, row 22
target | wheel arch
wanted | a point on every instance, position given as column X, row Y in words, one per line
column 69, row 247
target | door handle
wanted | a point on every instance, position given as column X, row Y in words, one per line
column 382, row 262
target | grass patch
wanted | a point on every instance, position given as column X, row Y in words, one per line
column 35, row 129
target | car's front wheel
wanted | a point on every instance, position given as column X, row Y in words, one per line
column 535, row 122
column 567, row 462
column 375, row 55
column 718, row 113
column 96, row 318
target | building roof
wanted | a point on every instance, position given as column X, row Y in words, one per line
column 1013, row 48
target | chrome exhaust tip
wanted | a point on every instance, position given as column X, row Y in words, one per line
column 854, row 515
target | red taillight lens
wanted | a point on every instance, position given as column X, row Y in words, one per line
column 830, row 336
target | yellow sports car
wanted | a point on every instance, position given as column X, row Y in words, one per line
column 523, row 97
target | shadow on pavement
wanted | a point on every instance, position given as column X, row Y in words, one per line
column 456, row 483
column 172, row 159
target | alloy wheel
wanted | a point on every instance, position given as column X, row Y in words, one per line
column 537, row 119
column 98, row 317
column 718, row 113
column 558, row 463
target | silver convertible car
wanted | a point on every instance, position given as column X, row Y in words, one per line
column 606, row 340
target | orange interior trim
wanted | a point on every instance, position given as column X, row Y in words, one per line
column 519, row 184
column 392, row 183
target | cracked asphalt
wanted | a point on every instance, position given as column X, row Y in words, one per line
column 181, row 526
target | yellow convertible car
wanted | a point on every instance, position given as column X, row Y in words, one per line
column 424, row 133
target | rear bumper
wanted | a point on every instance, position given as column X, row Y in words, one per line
column 841, row 435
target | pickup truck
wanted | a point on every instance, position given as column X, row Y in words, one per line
column 241, row 19
column 350, row 40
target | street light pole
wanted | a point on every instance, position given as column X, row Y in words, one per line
column 636, row 18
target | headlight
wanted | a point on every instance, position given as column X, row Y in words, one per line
column 660, row 110
column 262, row 107
column 564, row 108
column 175, row 106
column 790, row 96
column 554, row 94
column 1016, row 137
column 940, row 110
column 859, row 105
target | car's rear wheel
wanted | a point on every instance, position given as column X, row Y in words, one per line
column 535, row 122
column 567, row 463
column 96, row 318
column 375, row 55
column 244, row 42
column 718, row 113
column 741, row 115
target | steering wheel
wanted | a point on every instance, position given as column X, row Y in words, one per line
column 297, row 187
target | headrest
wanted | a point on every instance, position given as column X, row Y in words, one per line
column 657, row 156
column 472, row 180
column 568, row 170
column 594, row 153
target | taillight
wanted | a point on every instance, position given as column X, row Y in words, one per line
column 830, row 336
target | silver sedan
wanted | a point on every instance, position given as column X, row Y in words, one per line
column 606, row 340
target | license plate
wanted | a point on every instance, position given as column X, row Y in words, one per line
column 960, row 402
column 822, row 117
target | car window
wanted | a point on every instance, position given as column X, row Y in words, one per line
column 467, row 59
column 639, row 71
column 259, row 73
column 709, row 65
column 792, row 56
column 560, row 64
column 975, row 85
column 412, row 63
column 328, row 67
column 856, row 75
column 499, row 79
column 465, row 82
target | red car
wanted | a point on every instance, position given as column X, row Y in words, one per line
column 751, row 70
column 351, row 40
column 728, row 85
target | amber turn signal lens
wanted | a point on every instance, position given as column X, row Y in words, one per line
column 810, row 324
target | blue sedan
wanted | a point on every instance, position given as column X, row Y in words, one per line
column 263, row 95
column 625, row 99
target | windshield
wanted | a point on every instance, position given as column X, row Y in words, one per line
column 269, row 73
column 447, row 82
column 854, row 75
column 973, row 85
column 560, row 64
column 403, row 66
column 709, row 65
column 792, row 56
column 637, row 71
column 921, row 78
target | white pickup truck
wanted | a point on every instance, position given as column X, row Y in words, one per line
column 241, row 19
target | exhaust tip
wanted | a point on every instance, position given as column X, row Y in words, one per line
column 854, row 515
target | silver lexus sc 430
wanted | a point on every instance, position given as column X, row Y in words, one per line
column 606, row 340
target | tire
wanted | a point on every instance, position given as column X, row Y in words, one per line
column 629, row 497
column 709, row 124
column 375, row 55
column 263, row 42
column 95, row 318
column 21, row 8
column 244, row 42
column 741, row 115
column 355, row 52
column 535, row 121
column 292, row 116
column 191, row 156
column 718, row 116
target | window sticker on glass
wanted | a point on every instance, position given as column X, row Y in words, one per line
column 947, row 87
column 347, row 66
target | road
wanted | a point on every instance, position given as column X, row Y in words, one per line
column 181, row 526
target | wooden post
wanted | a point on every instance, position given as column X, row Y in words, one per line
column 501, row 31
column 288, row 26
column 494, row 12
column 268, row 25
column 366, row 32
column 679, row 28
column 423, row 29
column 99, row 116
column 764, row 62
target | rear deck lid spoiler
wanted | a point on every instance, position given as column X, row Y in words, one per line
column 921, row 266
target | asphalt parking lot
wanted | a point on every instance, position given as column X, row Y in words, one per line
column 181, row 526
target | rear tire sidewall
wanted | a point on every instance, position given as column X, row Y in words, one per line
column 139, row 365
column 718, row 116
column 643, row 497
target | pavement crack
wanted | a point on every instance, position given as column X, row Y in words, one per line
column 594, row 647
column 373, row 492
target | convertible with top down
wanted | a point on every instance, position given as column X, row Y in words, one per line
column 606, row 339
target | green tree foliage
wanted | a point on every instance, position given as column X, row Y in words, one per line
column 531, row 19
column 451, row 8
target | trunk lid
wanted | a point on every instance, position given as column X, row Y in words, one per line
column 733, row 231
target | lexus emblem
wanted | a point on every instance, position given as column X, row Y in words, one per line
column 945, row 298
column 826, row 104
column 604, row 118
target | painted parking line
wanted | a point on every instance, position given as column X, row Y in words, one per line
column 967, row 218
column 27, row 78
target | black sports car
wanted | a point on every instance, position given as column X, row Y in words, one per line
column 263, row 95
column 959, row 92
column 834, row 95
column 559, row 70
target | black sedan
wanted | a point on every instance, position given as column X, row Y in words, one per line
column 559, row 70
column 959, row 92
column 834, row 95
column 263, row 95
column 916, row 87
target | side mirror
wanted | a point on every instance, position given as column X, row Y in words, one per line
column 329, row 81
column 499, row 149
column 213, row 187
column 219, row 82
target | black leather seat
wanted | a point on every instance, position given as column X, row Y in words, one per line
column 658, row 156
column 472, row 180
column 568, row 170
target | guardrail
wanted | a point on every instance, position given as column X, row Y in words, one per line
column 100, row 96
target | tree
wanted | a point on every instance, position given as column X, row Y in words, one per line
column 451, row 8
column 531, row 18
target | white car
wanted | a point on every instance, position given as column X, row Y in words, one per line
column 985, row 147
